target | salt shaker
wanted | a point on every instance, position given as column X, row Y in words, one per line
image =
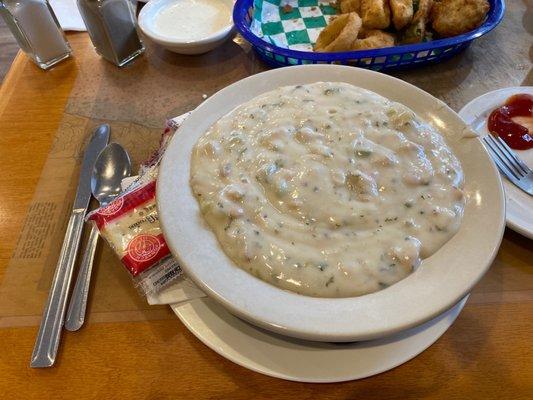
column 111, row 27
column 35, row 27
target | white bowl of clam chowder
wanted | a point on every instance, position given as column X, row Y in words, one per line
column 282, row 199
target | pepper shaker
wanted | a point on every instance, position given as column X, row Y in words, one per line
column 112, row 29
column 36, row 30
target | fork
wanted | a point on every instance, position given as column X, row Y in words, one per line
column 509, row 163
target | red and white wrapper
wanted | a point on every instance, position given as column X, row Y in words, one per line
column 132, row 227
column 130, row 224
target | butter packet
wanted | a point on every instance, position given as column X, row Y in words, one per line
column 130, row 225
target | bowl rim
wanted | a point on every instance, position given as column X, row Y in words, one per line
column 148, row 12
column 259, row 309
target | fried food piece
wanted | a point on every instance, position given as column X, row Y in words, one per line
column 348, row 6
column 340, row 33
column 455, row 17
column 373, row 39
column 422, row 10
column 375, row 14
column 402, row 12
column 415, row 32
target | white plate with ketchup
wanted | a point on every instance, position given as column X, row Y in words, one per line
column 519, row 205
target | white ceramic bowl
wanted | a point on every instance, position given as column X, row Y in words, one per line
column 439, row 283
column 147, row 24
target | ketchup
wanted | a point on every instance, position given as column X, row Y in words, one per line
column 500, row 121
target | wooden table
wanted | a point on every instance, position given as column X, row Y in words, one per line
column 487, row 353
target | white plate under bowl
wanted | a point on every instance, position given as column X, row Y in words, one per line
column 300, row 360
column 519, row 205
column 439, row 283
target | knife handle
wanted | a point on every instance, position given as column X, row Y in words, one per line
column 78, row 299
column 47, row 343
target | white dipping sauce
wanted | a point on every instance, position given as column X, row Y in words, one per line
column 190, row 20
column 327, row 189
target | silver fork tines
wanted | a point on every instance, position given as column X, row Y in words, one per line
column 509, row 163
column 519, row 163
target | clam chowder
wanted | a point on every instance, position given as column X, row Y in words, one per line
column 327, row 189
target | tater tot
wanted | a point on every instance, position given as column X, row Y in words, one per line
column 455, row 17
column 348, row 6
column 402, row 12
column 375, row 14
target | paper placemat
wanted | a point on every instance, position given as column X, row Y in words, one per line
column 135, row 100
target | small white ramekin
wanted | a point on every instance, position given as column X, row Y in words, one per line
column 147, row 24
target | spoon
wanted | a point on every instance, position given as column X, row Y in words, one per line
column 111, row 167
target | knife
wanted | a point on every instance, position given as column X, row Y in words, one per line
column 47, row 342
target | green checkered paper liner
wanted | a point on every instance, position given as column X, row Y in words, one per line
column 291, row 24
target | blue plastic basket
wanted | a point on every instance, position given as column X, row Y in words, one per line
column 390, row 58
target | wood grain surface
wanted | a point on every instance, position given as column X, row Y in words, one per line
column 486, row 354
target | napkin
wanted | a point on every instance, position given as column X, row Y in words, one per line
column 291, row 24
column 68, row 15
column 182, row 290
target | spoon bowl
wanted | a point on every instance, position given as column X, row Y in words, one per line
column 111, row 167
